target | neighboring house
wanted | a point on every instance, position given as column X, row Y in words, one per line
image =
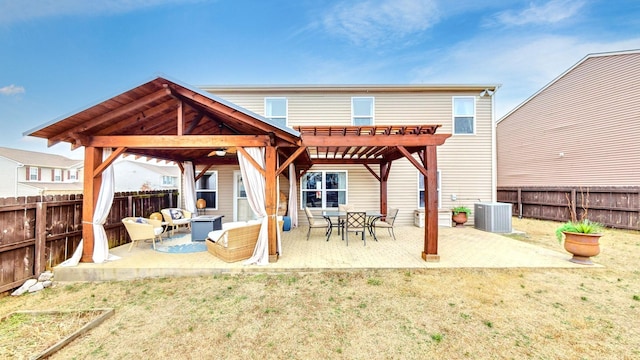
column 466, row 162
column 582, row 129
column 28, row 173
column 133, row 175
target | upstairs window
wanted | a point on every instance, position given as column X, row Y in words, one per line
column 57, row 175
column 72, row 175
column 169, row 180
column 276, row 110
column 361, row 111
column 33, row 174
column 464, row 115
column 207, row 189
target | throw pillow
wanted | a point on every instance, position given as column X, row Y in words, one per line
column 176, row 214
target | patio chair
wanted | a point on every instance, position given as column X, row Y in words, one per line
column 387, row 223
column 314, row 223
column 175, row 218
column 143, row 229
column 356, row 221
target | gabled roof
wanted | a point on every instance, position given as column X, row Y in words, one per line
column 39, row 159
column 163, row 107
column 589, row 56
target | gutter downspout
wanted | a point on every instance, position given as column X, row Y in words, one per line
column 18, row 166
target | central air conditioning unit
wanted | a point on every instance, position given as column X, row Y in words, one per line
column 493, row 217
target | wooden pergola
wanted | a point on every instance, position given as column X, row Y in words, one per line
column 166, row 120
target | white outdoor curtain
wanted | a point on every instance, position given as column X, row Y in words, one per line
column 293, row 196
column 254, row 184
column 100, row 214
column 189, row 181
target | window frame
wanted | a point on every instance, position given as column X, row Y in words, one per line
column 276, row 119
column 454, row 115
column 32, row 176
column 57, row 175
column 72, row 174
column 173, row 183
column 372, row 110
column 215, row 191
column 438, row 189
column 324, row 190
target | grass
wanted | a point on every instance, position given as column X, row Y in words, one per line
column 583, row 313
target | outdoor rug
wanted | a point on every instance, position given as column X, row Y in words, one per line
column 180, row 244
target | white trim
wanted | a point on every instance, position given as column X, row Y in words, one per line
column 286, row 109
column 323, row 189
column 453, row 115
column 217, row 189
column 373, row 110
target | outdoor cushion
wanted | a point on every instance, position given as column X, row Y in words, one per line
column 176, row 214
column 142, row 221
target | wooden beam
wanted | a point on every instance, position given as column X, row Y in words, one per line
column 231, row 112
column 381, row 140
column 91, row 186
column 384, row 175
column 114, row 155
column 372, row 172
column 251, row 160
column 430, row 252
column 413, row 161
column 111, row 115
column 290, row 159
column 201, row 174
column 136, row 121
column 180, row 119
column 271, row 197
column 196, row 121
column 171, row 141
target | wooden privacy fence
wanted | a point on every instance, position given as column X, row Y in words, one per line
column 616, row 207
column 40, row 232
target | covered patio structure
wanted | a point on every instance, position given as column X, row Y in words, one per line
column 166, row 120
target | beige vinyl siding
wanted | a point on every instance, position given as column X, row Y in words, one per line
column 582, row 130
column 465, row 161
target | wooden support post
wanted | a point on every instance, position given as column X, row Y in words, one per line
column 519, row 203
column 384, row 176
column 41, row 238
column 271, row 196
column 92, row 183
column 431, row 205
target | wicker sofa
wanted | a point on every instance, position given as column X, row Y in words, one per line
column 236, row 241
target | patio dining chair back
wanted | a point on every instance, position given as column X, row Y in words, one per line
column 388, row 222
column 314, row 223
column 356, row 221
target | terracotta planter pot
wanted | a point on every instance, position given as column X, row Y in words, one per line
column 582, row 246
column 201, row 203
column 459, row 219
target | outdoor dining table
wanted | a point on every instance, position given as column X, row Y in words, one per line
column 340, row 216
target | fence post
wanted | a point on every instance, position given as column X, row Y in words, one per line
column 519, row 203
column 573, row 205
column 41, row 238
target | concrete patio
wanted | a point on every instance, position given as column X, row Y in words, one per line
column 458, row 248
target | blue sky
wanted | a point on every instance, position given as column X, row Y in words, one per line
column 61, row 56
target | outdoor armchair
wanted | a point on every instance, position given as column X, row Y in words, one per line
column 175, row 217
column 388, row 222
column 314, row 223
column 143, row 229
column 356, row 221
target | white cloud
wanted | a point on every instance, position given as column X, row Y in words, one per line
column 523, row 65
column 551, row 12
column 375, row 23
column 11, row 90
column 12, row 11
